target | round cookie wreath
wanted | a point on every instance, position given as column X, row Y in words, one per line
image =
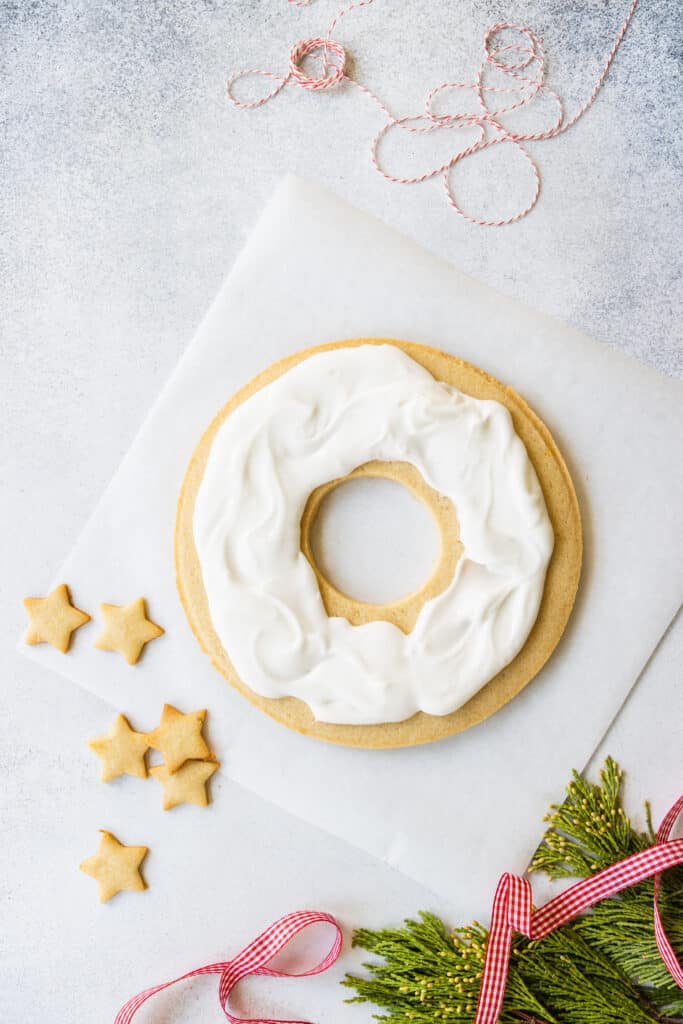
column 535, row 457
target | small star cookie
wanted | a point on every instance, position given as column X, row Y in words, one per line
column 187, row 785
column 115, row 867
column 53, row 619
column 121, row 751
column 127, row 629
column 179, row 737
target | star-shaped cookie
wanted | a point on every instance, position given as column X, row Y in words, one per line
column 115, row 867
column 121, row 751
column 127, row 629
column 179, row 737
column 53, row 619
column 187, row 785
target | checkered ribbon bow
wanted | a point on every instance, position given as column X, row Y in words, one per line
column 252, row 960
column 512, row 911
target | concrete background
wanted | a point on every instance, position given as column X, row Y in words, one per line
column 128, row 186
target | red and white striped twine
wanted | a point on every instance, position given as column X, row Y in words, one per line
column 511, row 53
column 512, row 911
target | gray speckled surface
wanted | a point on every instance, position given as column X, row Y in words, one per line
column 129, row 183
column 127, row 187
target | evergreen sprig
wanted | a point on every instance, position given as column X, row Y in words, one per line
column 603, row 968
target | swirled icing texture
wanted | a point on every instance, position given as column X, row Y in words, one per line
column 319, row 420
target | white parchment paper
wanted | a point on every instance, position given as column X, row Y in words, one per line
column 455, row 814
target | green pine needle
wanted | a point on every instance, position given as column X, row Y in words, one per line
column 601, row 969
column 589, row 831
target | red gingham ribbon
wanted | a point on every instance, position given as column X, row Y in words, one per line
column 512, row 911
column 252, row 960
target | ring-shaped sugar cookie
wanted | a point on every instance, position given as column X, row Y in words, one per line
column 255, row 548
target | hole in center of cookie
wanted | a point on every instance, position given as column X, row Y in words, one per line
column 374, row 540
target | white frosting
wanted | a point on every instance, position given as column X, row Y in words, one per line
column 328, row 414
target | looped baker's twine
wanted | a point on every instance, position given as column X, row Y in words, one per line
column 333, row 71
column 520, row 64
